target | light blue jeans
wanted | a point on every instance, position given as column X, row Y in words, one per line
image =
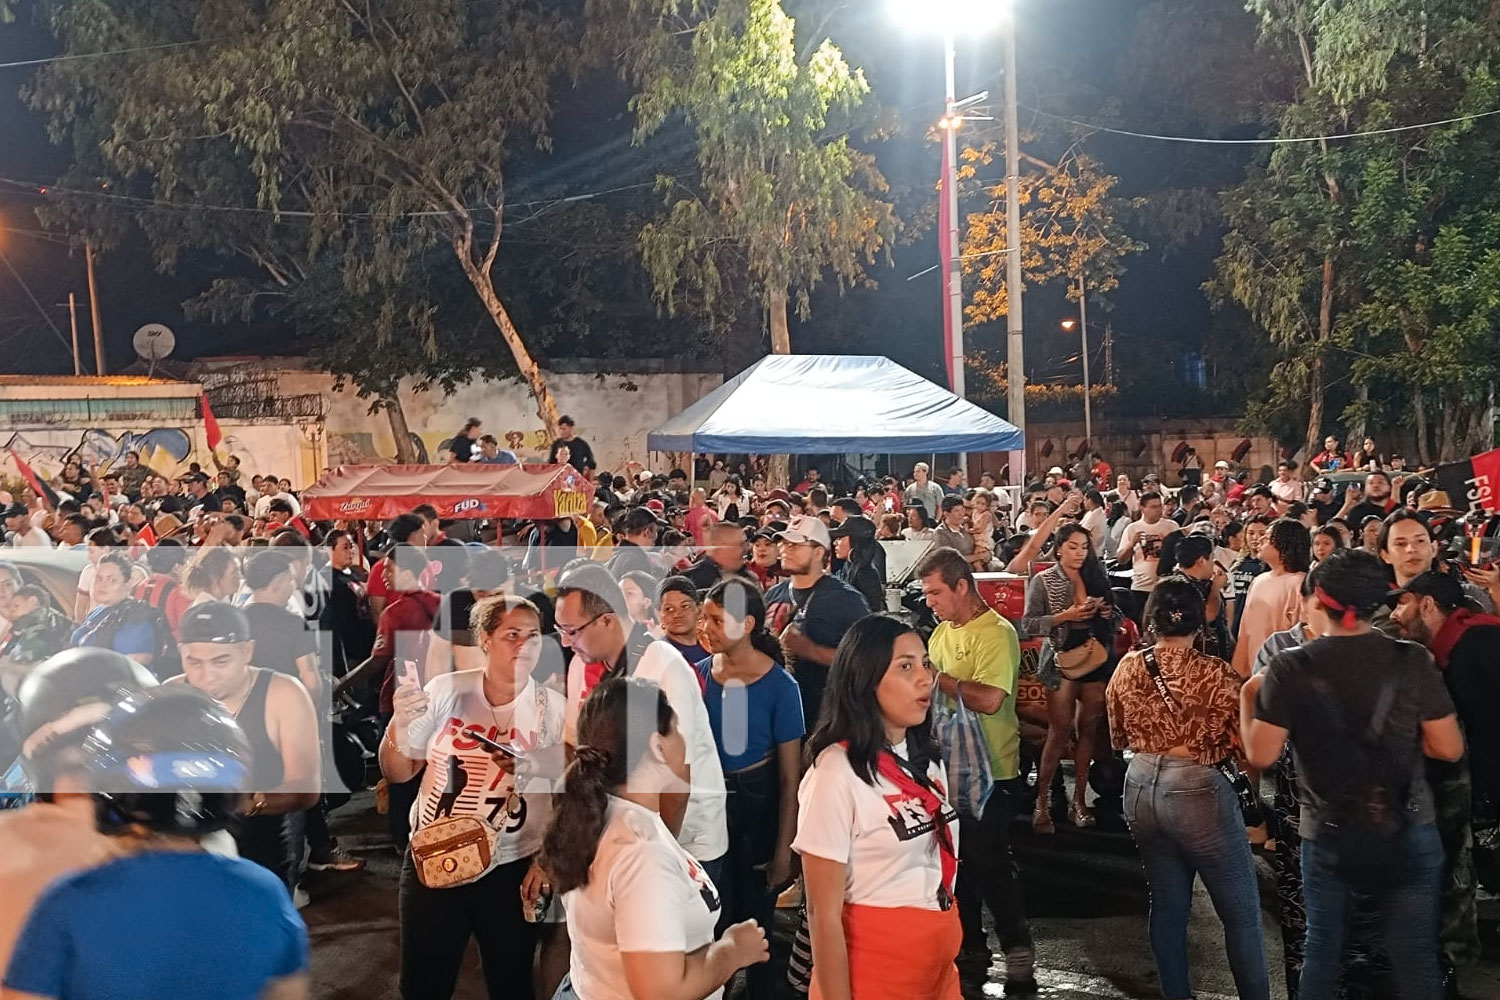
column 1186, row 822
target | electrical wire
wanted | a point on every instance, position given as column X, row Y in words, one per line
column 30, row 295
column 1277, row 141
column 70, row 57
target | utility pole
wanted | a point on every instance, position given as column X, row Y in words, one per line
column 1083, row 327
column 1109, row 354
column 88, row 256
column 954, row 306
column 73, row 318
column 1015, row 346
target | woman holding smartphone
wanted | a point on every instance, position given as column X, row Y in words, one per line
column 1069, row 604
column 491, row 742
column 641, row 909
column 878, row 839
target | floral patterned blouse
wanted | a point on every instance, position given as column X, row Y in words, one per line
column 1205, row 716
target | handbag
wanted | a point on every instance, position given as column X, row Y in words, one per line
column 1239, row 782
column 966, row 756
column 1081, row 660
column 453, row 851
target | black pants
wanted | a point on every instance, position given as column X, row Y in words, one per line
column 436, row 925
column 401, row 796
column 753, row 817
column 273, row 842
column 987, row 873
column 812, row 678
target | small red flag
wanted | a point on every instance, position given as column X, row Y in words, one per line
column 211, row 426
column 147, row 535
column 47, row 495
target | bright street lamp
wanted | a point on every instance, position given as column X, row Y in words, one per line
column 949, row 17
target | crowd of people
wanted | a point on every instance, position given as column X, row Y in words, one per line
column 610, row 746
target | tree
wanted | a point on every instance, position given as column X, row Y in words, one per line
column 367, row 133
column 1070, row 230
column 781, row 194
column 1332, row 243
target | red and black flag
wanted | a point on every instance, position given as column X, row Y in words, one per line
column 1472, row 485
column 45, row 493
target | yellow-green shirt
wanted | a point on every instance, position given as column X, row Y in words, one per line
column 988, row 651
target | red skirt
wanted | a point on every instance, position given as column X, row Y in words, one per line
column 901, row 953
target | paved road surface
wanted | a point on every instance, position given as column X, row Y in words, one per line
column 1085, row 896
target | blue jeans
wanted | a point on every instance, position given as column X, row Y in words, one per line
column 1187, row 821
column 1409, row 907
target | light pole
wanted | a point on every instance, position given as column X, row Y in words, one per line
column 949, row 17
column 1083, row 339
column 1015, row 344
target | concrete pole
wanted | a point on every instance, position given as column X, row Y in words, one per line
column 88, row 256
column 1015, row 345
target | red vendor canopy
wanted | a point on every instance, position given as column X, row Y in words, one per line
column 380, row 492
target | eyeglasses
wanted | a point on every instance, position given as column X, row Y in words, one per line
column 569, row 633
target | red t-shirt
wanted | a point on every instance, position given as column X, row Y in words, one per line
column 376, row 585
column 402, row 635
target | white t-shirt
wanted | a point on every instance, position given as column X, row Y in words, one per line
column 263, row 505
column 840, row 818
column 462, row 780
column 32, row 538
column 1289, row 491
column 1143, row 562
column 645, row 894
column 1132, row 501
column 1097, row 523
column 704, row 833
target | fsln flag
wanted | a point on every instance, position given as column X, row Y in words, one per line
column 1474, row 484
column 211, row 426
column 47, row 494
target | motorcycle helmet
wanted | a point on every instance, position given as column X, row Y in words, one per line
column 62, row 699
column 171, row 760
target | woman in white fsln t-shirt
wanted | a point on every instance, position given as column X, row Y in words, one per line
column 878, row 839
column 641, row 909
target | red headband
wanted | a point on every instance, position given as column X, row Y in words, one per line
column 1347, row 610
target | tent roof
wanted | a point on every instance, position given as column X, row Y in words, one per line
column 380, row 492
column 801, row 404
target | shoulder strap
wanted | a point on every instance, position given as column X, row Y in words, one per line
column 1154, row 669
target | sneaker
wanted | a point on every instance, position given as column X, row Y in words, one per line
column 300, row 898
column 336, row 860
column 791, row 899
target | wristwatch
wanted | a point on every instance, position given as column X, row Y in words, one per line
column 257, row 805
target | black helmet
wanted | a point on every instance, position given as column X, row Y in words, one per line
column 170, row 759
column 64, row 696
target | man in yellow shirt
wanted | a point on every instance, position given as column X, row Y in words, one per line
column 979, row 656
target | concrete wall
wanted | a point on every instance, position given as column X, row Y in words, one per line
column 292, row 450
column 613, row 411
column 1140, row 446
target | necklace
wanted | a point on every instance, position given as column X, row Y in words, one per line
column 241, row 696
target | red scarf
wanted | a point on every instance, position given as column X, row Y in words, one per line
column 890, row 768
column 1453, row 630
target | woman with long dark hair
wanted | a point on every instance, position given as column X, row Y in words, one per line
column 878, row 839
column 1070, row 605
column 1178, row 710
column 854, row 543
column 1274, row 601
column 641, row 909
column 755, row 709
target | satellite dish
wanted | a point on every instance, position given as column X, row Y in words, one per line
column 154, row 342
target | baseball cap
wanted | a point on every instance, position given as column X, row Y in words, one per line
column 15, row 510
column 1151, row 477
column 1221, row 464
column 1323, row 485
column 806, row 528
column 657, row 506
column 1260, row 490
column 854, row 527
column 639, row 519
column 849, row 505
column 214, row 621
column 1444, row 589
column 1056, row 470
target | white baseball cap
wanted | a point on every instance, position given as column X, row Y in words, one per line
column 1221, row 464
column 806, row 528
column 1056, row 470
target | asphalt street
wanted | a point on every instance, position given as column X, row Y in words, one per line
column 1085, row 896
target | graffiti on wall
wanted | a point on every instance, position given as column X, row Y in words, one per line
column 163, row 449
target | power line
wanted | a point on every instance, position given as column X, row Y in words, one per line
column 70, row 57
column 1277, row 141
column 22, row 281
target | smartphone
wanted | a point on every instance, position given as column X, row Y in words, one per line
column 493, row 746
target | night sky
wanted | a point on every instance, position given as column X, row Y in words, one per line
column 1075, row 60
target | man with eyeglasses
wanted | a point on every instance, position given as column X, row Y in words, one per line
column 591, row 621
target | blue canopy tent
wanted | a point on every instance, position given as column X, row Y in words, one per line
column 801, row 404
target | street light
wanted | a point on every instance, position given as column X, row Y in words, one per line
column 973, row 16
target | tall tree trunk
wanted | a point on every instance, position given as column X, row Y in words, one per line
column 406, row 451
column 778, row 475
column 1357, row 430
column 776, row 314
column 1419, row 420
column 1448, row 426
column 1315, row 374
column 531, row 372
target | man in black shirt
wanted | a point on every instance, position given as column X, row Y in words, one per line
column 283, row 642
column 811, row 610
column 1361, row 711
column 463, row 444
column 1375, row 499
column 1434, row 610
column 580, row 455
